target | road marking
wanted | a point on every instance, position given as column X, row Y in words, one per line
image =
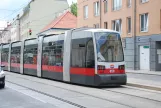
column 57, row 98
column 27, row 94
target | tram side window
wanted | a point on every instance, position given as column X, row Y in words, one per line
column 15, row 54
column 30, row 54
column 53, row 53
column 4, row 56
column 82, row 53
column 59, row 53
column 90, row 62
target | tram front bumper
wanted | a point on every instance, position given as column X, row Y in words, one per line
column 110, row 79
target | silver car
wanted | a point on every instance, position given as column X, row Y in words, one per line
column 2, row 77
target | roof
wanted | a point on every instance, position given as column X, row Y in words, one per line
column 101, row 30
column 67, row 20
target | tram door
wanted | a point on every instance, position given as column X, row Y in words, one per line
column 5, row 56
column 30, row 57
column 82, row 61
column 15, row 57
column 52, row 58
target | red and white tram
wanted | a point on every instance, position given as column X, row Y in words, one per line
column 83, row 56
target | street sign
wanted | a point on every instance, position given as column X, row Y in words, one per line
column 146, row 46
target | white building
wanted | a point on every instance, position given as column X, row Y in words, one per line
column 15, row 29
column 39, row 13
column 35, row 16
column 5, row 35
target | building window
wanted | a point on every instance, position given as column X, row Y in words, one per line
column 105, row 6
column 96, row 8
column 144, row 1
column 105, row 25
column 129, row 25
column 96, row 25
column 144, row 22
column 85, row 12
column 129, row 3
column 116, row 25
column 117, row 4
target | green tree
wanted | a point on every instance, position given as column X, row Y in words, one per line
column 74, row 8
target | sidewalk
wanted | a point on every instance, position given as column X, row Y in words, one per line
column 146, row 84
column 142, row 83
column 144, row 72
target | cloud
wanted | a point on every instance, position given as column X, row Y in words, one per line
column 11, row 5
column 5, row 3
column 70, row 1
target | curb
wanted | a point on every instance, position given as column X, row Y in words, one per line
column 144, row 86
column 144, row 73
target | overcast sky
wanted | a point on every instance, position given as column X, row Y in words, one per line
column 10, row 8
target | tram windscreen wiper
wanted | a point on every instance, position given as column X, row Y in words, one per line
column 81, row 45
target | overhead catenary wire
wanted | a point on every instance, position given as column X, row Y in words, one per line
column 39, row 19
column 56, row 12
column 6, row 10
column 15, row 11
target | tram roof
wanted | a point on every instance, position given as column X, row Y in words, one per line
column 101, row 30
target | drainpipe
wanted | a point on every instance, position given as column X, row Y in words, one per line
column 19, row 37
column 134, row 36
column 100, row 13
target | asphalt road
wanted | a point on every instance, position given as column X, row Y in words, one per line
column 156, row 78
column 12, row 99
column 64, row 95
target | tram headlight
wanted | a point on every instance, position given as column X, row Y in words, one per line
column 101, row 67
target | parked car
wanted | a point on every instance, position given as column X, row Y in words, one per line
column 2, row 77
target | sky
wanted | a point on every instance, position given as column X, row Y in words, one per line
column 10, row 8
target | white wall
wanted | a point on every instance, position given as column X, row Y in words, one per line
column 14, row 31
column 41, row 13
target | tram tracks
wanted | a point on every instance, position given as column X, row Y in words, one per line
column 66, row 101
column 55, row 97
column 106, row 90
column 135, row 95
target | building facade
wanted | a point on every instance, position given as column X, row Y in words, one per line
column 138, row 22
column 39, row 13
column 61, row 24
column 15, row 29
column 5, row 35
column 32, row 19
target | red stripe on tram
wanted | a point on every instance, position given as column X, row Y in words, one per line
column 4, row 63
column 83, row 71
column 52, row 68
column 112, row 71
column 15, row 65
column 30, row 66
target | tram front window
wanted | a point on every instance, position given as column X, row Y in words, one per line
column 109, row 47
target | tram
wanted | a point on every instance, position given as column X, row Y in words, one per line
column 85, row 56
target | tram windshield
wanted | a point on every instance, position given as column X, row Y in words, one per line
column 109, row 47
